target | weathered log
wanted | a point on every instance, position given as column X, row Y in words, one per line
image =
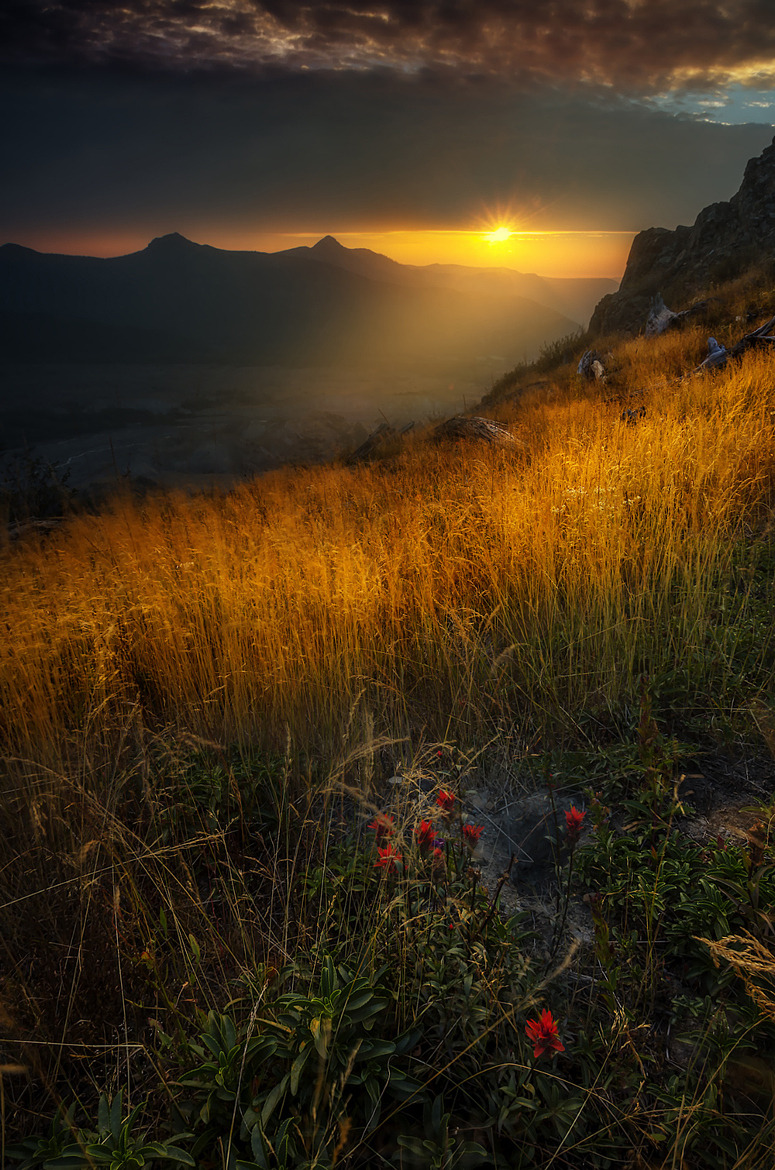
column 591, row 365
column 477, row 427
column 24, row 527
column 716, row 359
column 757, row 337
column 661, row 319
column 378, row 439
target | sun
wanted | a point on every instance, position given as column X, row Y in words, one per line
column 499, row 236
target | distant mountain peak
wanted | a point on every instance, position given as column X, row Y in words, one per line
column 172, row 242
column 11, row 248
column 328, row 244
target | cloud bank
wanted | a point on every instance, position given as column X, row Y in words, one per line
column 635, row 46
column 328, row 152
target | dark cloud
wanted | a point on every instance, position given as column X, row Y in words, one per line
column 632, row 45
column 336, row 152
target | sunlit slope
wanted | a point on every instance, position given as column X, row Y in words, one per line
column 449, row 591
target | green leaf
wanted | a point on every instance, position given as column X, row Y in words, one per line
column 469, row 1149
column 359, row 1000
column 258, row 1148
column 372, row 1008
column 437, row 1113
column 412, row 1144
column 175, row 1153
column 372, row 1087
column 70, row 1159
column 373, row 1049
column 103, row 1115
column 229, row 1033
column 109, row 1116
column 321, row 1032
column 328, row 978
column 99, row 1154
column 297, row 1067
column 408, row 1040
column 272, row 1100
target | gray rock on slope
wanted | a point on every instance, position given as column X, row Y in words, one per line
column 725, row 237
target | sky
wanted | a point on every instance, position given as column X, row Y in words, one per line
column 415, row 127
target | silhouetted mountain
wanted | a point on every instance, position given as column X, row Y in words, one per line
column 178, row 301
column 725, row 239
column 574, row 297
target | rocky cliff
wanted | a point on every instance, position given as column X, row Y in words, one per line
column 726, row 238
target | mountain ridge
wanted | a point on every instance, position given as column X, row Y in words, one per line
column 241, row 307
column 575, row 297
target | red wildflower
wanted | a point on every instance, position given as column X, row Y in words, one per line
column 573, row 822
column 445, row 800
column 388, row 856
column 439, row 860
column 383, row 827
column 542, row 1034
column 471, row 835
column 426, row 836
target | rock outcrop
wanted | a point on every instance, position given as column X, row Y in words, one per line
column 725, row 239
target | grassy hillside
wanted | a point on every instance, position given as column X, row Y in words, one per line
column 209, row 703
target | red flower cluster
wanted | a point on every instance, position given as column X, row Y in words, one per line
column 446, row 800
column 573, row 821
column 471, row 835
column 383, row 827
column 542, row 1034
column 426, row 837
column 388, row 856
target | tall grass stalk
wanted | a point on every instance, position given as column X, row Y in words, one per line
column 438, row 588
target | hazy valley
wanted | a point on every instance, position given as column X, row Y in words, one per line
column 186, row 364
column 197, row 425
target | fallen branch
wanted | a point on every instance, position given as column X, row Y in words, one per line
column 476, row 427
column 661, row 319
column 717, row 357
column 378, row 439
column 755, row 338
column 24, row 527
column 591, row 365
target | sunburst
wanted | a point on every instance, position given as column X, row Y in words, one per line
column 499, row 235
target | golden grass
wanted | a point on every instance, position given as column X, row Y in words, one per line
column 453, row 593
column 453, row 589
column 752, row 962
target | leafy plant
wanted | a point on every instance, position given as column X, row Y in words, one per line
column 113, row 1144
column 439, row 1149
column 295, row 1086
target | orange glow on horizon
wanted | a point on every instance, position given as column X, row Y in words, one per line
column 548, row 253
